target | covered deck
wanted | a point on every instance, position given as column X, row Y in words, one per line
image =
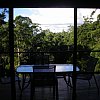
column 84, row 92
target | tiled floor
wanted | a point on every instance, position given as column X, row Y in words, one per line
column 84, row 92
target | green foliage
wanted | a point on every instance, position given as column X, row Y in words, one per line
column 28, row 36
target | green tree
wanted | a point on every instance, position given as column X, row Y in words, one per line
column 4, row 39
column 24, row 30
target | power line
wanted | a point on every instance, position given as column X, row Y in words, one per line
column 62, row 24
column 59, row 24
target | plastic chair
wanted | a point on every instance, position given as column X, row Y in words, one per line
column 89, row 67
column 44, row 76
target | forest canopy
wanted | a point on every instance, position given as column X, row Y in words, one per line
column 29, row 36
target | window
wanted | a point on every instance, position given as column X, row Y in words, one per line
column 88, row 27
